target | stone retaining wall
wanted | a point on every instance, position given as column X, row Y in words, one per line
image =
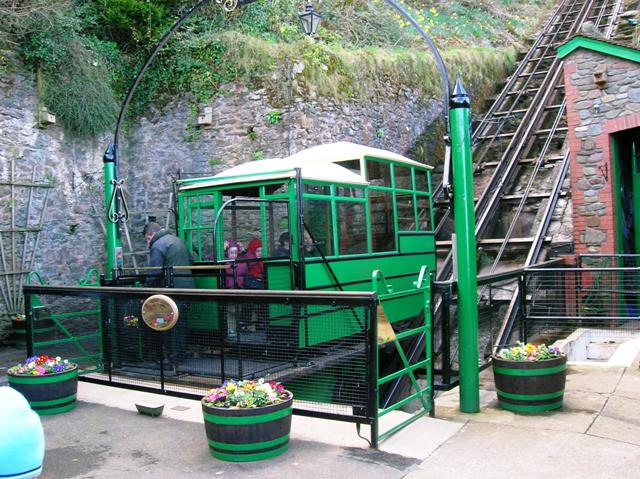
column 164, row 145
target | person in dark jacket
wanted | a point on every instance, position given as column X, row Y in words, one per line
column 167, row 250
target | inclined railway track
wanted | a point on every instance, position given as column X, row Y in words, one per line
column 520, row 156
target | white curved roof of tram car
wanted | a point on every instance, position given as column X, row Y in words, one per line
column 344, row 151
column 316, row 163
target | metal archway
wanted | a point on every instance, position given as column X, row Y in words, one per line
column 115, row 205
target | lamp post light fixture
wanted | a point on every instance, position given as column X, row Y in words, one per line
column 310, row 20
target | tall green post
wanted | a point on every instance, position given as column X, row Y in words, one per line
column 114, row 249
column 463, row 210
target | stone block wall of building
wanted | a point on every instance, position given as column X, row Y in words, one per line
column 594, row 113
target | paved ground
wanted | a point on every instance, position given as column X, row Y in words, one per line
column 595, row 435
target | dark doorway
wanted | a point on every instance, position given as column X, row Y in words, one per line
column 626, row 157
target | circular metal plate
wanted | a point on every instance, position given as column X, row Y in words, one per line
column 160, row 312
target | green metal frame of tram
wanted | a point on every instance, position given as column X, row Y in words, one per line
column 346, row 191
column 367, row 207
column 366, row 211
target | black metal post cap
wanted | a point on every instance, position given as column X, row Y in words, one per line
column 109, row 154
column 459, row 98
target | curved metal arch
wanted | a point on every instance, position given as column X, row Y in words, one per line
column 231, row 5
column 226, row 5
column 439, row 61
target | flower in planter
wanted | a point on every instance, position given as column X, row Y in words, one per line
column 131, row 321
column 41, row 365
column 49, row 383
column 529, row 352
column 246, row 394
column 247, row 420
column 530, row 378
column 19, row 317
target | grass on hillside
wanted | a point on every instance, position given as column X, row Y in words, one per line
column 89, row 50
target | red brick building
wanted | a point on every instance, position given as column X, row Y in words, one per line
column 602, row 84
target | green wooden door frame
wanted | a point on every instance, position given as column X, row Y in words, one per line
column 621, row 144
column 618, row 216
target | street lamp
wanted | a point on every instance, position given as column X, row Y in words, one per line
column 310, row 20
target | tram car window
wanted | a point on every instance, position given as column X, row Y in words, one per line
column 346, row 209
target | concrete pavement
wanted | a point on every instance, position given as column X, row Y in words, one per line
column 595, row 435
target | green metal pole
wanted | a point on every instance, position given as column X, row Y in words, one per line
column 111, row 208
column 463, row 210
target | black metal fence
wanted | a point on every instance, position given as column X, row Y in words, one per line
column 495, row 306
column 501, row 320
column 319, row 345
column 603, row 300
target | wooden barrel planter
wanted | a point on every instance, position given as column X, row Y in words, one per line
column 530, row 386
column 42, row 330
column 48, row 394
column 243, row 435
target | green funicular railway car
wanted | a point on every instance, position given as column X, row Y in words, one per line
column 327, row 218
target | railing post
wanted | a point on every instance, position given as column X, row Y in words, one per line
column 106, row 332
column 523, row 306
column 162, row 348
column 446, row 335
column 29, row 324
column 372, row 372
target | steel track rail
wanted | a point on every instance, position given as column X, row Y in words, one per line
column 570, row 14
column 489, row 200
column 544, row 41
column 511, row 313
column 536, row 247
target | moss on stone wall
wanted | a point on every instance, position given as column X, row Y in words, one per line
column 339, row 73
column 362, row 47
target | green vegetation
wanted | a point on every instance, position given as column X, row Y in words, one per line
column 87, row 52
column 274, row 117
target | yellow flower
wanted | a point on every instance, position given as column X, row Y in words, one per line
column 529, row 348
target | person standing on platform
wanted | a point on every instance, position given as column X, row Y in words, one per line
column 167, row 250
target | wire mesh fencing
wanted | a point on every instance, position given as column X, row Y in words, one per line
column 496, row 308
column 560, row 301
column 321, row 346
